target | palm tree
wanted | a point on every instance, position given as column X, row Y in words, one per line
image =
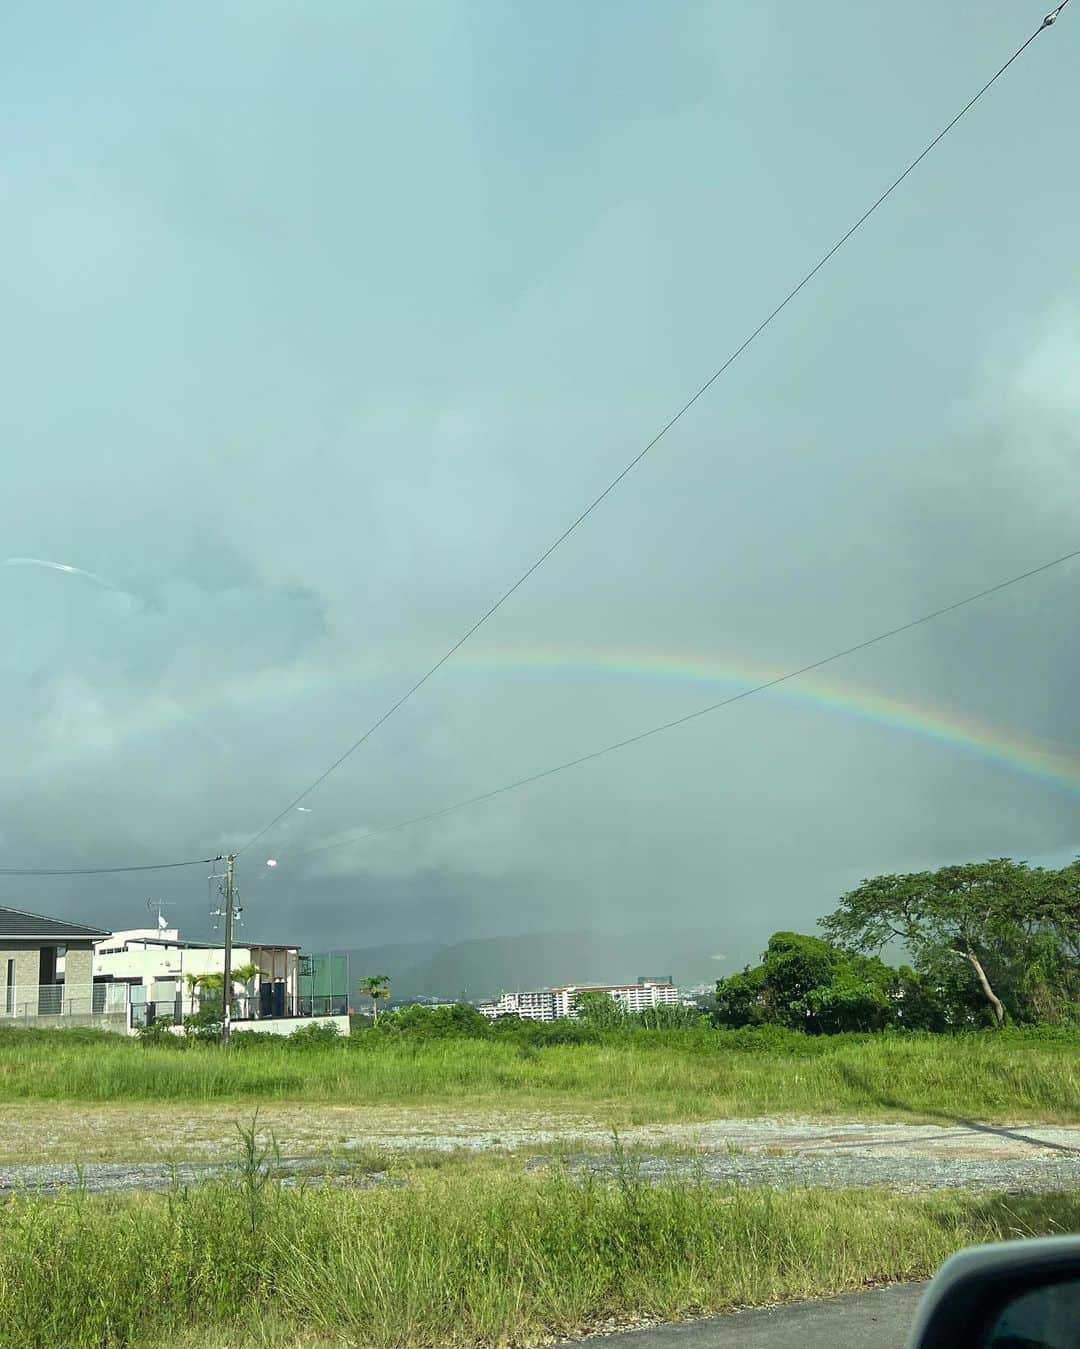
column 211, row 983
column 243, row 975
column 192, row 982
column 377, row 988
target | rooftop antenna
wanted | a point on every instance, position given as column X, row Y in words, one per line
column 155, row 904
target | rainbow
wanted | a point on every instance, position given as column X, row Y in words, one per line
column 716, row 674
column 723, row 676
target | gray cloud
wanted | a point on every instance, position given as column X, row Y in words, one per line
column 320, row 326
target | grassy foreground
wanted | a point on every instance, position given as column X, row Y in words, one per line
column 626, row 1078
column 476, row 1256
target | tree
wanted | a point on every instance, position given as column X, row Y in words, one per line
column 377, row 988
column 968, row 912
column 598, row 1009
column 205, row 1024
column 808, row 984
column 1048, row 915
column 211, row 983
column 192, row 982
column 243, row 975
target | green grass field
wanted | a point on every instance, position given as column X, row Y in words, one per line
column 478, row 1251
column 635, row 1078
column 471, row 1254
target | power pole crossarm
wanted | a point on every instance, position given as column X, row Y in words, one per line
column 226, row 991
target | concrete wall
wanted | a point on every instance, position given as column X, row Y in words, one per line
column 285, row 1025
column 111, row 1021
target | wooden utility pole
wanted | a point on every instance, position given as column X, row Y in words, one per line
column 226, row 991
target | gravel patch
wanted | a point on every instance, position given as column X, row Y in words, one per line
column 108, row 1177
column 845, row 1171
column 959, row 1155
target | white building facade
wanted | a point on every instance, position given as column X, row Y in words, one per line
column 157, row 975
column 163, row 970
column 553, row 1003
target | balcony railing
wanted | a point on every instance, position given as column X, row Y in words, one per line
column 30, row 1003
column 119, row 1005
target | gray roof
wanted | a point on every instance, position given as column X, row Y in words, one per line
column 32, row 926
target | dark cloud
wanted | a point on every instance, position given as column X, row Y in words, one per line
column 320, row 327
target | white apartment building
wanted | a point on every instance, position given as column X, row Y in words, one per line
column 529, row 1006
column 552, row 1003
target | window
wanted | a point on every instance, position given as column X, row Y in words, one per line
column 9, row 990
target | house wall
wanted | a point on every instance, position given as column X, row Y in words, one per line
column 27, row 957
column 153, row 963
column 24, row 1001
column 79, row 965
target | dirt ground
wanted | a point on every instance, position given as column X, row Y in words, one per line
column 52, row 1132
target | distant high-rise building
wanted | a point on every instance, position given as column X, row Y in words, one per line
column 549, row 1004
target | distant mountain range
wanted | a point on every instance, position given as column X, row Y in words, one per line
column 485, row 967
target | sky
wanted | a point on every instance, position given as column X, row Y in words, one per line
column 322, row 321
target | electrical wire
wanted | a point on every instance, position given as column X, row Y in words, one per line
column 629, row 468
column 701, row 711
column 104, row 871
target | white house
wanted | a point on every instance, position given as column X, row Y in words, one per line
column 162, row 970
column 156, row 973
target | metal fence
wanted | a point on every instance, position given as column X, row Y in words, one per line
column 322, row 982
column 271, row 1002
column 317, row 1004
column 60, row 1003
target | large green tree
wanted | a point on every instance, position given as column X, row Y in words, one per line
column 980, row 916
column 809, row 984
column 1048, row 916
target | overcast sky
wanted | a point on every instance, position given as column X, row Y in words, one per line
column 322, row 320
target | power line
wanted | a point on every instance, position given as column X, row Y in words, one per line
column 104, row 871
column 629, row 468
column 701, row 711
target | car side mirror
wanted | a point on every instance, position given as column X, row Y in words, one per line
column 1011, row 1295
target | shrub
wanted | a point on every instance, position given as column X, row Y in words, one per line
column 315, row 1035
column 460, row 1021
column 160, row 1033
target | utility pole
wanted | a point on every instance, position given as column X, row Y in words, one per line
column 226, row 990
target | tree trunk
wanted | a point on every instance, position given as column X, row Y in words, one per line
column 984, row 983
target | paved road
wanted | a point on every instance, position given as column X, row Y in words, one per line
column 880, row 1318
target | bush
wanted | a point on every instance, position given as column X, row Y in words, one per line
column 315, row 1035
column 460, row 1021
column 160, row 1033
column 538, row 1034
column 205, row 1024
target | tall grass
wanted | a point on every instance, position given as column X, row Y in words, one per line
column 485, row 1258
column 629, row 1077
